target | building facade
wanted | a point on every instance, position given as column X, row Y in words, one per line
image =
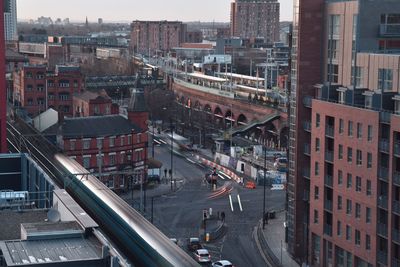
column 152, row 37
column 93, row 104
column 255, row 18
column 36, row 88
column 3, row 93
column 10, row 20
column 343, row 186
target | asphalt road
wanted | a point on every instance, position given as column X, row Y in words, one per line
column 179, row 215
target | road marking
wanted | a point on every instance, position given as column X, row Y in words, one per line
column 240, row 203
column 220, row 176
column 191, row 161
column 230, row 200
column 156, row 141
column 224, row 175
column 162, row 141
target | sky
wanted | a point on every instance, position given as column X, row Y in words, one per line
column 128, row 10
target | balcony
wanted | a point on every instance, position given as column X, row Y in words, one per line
column 396, row 150
column 307, row 149
column 307, row 101
column 382, row 230
column 395, row 262
column 306, row 173
column 385, row 117
column 328, row 229
column 329, row 156
column 307, row 126
column 396, row 207
column 383, row 173
column 382, row 257
column 384, row 146
column 329, row 131
column 387, row 30
column 306, row 195
column 383, row 202
column 396, row 178
column 396, row 236
column 328, row 205
column 328, row 181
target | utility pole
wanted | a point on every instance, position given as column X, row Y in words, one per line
column 172, row 151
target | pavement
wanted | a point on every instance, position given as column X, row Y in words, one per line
column 272, row 242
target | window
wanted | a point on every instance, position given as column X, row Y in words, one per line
column 349, row 180
column 316, row 168
column 40, row 87
column 339, row 202
column 367, row 242
column 86, row 162
column 332, row 48
column 29, row 87
column 110, row 183
column 369, row 188
column 356, row 76
column 348, row 207
column 96, row 110
column 333, row 73
column 339, row 228
column 138, row 138
column 359, row 157
column 317, row 120
column 316, row 192
column 112, row 159
column 350, row 129
column 334, row 26
column 358, row 211
column 99, row 143
column 317, row 144
column 358, row 184
column 369, row 132
column 315, row 216
column 357, row 239
column 369, row 160
column 86, row 144
column 29, row 74
column 108, row 110
column 368, row 215
column 72, row 144
column 122, row 140
column 341, row 126
column 340, row 153
column 112, row 141
column 385, row 79
column 349, row 154
column 348, row 232
column 359, row 130
column 129, row 139
column 340, row 177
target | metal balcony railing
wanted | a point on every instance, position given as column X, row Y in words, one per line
column 307, row 149
column 383, row 202
column 306, row 195
column 328, row 229
column 396, row 150
column 328, row 181
column 384, row 145
column 396, row 207
column 389, row 29
column 382, row 229
column 396, row 178
column 385, row 117
column 306, row 173
column 328, row 205
column 383, row 173
column 382, row 257
column 329, row 131
column 329, row 156
column 396, row 235
column 395, row 262
column 307, row 101
column 307, row 126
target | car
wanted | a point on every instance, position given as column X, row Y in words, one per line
column 174, row 240
column 202, row 256
column 194, row 244
column 222, row 263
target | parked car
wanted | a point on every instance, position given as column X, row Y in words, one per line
column 202, row 256
column 194, row 244
column 222, row 263
column 174, row 240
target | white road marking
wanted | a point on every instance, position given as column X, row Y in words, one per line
column 191, row 161
column 230, row 201
column 240, row 203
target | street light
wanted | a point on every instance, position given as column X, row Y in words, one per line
column 265, row 178
column 172, row 150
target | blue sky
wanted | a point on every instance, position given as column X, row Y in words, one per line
column 128, row 10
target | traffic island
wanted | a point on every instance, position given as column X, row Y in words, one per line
column 212, row 229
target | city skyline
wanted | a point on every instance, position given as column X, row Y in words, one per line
column 168, row 10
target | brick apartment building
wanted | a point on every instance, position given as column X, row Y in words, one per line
column 255, row 18
column 93, row 104
column 344, row 161
column 155, row 36
column 37, row 88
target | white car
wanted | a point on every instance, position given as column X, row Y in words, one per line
column 202, row 256
column 222, row 263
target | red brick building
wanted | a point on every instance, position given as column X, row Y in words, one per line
column 3, row 93
column 344, row 181
column 154, row 36
column 36, row 88
column 93, row 104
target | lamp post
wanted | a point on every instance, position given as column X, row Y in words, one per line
column 265, row 179
column 172, row 150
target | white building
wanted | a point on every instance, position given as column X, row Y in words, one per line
column 10, row 20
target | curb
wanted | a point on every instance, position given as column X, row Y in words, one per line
column 263, row 246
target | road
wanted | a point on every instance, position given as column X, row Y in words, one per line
column 179, row 215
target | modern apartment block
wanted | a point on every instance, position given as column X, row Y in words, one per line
column 10, row 20
column 255, row 18
column 344, row 177
column 151, row 37
column 3, row 93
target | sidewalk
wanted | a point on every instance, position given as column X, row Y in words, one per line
column 273, row 243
